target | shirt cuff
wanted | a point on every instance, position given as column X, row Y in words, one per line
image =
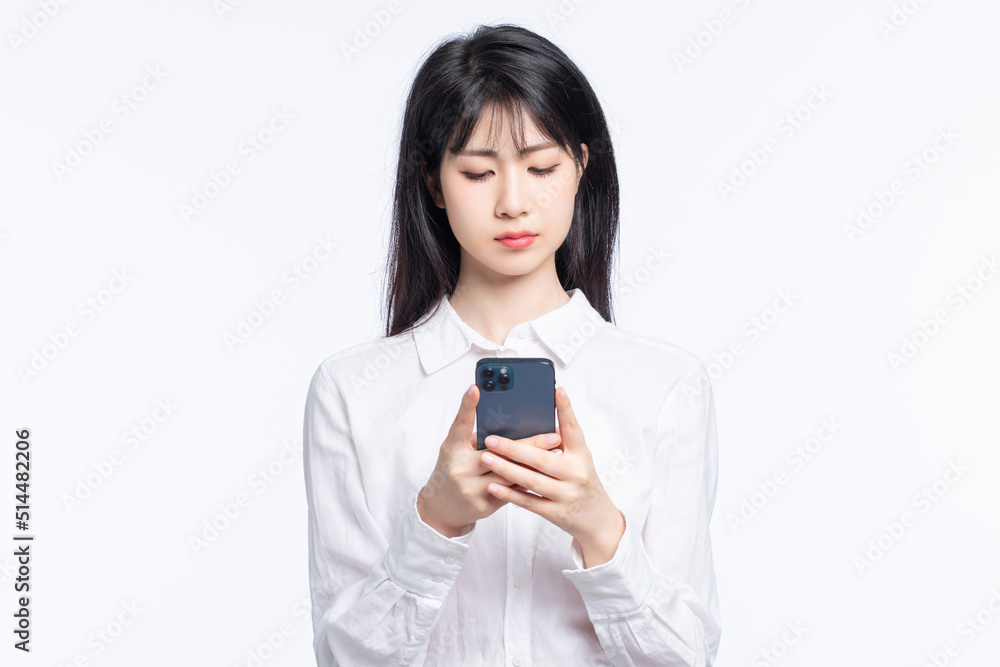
column 618, row 587
column 422, row 560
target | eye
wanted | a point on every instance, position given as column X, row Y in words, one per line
column 485, row 176
column 542, row 173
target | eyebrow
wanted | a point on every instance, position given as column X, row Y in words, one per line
column 483, row 152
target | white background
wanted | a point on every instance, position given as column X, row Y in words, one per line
column 680, row 129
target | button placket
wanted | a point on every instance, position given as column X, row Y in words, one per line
column 517, row 612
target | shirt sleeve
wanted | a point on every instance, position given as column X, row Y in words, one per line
column 655, row 602
column 375, row 597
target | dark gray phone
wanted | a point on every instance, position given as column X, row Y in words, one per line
column 517, row 397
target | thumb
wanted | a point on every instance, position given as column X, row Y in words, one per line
column 461, row 427
column 569, row 428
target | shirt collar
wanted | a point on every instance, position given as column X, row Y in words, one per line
column 443, row 337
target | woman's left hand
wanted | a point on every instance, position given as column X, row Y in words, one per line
column 570, row 493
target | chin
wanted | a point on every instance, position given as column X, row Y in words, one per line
column 510, row 265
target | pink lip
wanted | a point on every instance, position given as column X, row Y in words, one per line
column 518, row 241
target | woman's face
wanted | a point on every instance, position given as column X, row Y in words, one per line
column 489, row 191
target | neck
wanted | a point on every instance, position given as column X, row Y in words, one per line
column 495, row 306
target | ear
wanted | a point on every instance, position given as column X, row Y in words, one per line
column 433, row 184
column 586, row 156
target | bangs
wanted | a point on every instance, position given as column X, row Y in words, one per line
column 497, row 113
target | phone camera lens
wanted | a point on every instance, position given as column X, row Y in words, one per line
column 489, row 385
column 488, row 372
column 504, row 379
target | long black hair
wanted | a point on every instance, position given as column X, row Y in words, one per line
column 519, row 72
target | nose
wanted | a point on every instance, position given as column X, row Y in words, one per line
column 514, row 196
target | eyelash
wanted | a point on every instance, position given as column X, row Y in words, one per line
column 480, row 178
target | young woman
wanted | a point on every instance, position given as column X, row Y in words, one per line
column 587, row 546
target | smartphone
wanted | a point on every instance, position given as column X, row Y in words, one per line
column 517, row 397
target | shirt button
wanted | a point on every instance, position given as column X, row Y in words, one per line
column 520, row 581
column 438, row 578
column 612, row 655
column 421, row 633
column 450, row 560
column 517, row 660
column 523, row 332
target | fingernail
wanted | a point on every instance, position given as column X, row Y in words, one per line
column 562, row 393
column 491, row 440
column 556, row 451
column 471, row 387
column 552, row 438
column 488, row 459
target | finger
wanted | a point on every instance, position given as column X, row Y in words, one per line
column 461, row 427
column 569, row 427
column 526, row 467
column 529, row 501
column 490, row 477
column 542, row 440
column 536, row 481
column 483, row 470
column 531, row 452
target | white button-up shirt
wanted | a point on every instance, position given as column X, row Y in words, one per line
column 387, row 589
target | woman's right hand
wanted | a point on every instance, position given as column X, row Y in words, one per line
column 455, row 496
